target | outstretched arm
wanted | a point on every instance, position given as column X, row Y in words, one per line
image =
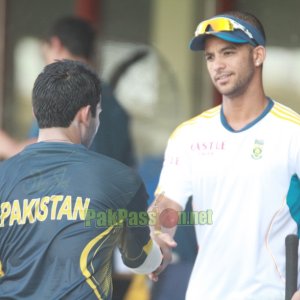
column 143, row 250
column 139, row 252
column 163, row 223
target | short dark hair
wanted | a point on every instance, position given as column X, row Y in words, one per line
column 248, row 17
column 76, row 34
column 61, row 89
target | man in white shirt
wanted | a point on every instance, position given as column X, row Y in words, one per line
column 240, row 162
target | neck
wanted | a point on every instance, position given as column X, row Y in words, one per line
column 240, row 114
column 63, row 135
column 242, row 109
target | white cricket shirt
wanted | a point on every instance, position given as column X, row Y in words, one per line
column 250, row 181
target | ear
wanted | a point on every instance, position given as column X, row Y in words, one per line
column 84, row 115
column 259, row 55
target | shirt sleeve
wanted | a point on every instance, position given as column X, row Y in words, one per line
column 175, row 178
column 138, row 251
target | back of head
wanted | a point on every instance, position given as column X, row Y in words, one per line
column 61, row 90
column 75, row 34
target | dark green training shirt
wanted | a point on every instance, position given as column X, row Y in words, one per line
column 63, row 209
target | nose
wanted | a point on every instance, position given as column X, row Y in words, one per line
column 218, row 64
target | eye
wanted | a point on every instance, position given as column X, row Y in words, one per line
column 208, row 57
column 228, row 52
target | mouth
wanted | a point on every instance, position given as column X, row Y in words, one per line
column 222, row 78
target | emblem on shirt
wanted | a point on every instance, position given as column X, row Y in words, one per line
column 257, row 150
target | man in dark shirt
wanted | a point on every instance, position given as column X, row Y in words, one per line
column 64, row 208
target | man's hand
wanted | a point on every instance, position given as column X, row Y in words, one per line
column 166, row 243
column 163, row 236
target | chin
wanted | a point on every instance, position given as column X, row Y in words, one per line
column 222, row 89
column 227, row 92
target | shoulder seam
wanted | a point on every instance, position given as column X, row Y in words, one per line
column 208, row 114
column 282, row 112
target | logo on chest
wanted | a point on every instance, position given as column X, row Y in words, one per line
column 208, row 147
column 257, row 150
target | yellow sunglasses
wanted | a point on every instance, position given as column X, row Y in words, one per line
column 220, row 24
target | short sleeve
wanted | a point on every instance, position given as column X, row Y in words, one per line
column 175, row 178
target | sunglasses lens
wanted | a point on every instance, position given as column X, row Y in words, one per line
column 214, row 25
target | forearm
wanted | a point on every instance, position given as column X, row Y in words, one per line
column 152, row 261
column 139, row 252
column 165, row 213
